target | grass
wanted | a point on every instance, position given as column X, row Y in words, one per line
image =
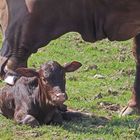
column 103, row 97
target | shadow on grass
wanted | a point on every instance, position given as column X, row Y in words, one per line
column 86, row 123
column 83, row 123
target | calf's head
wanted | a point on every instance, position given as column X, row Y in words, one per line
column 52, row 76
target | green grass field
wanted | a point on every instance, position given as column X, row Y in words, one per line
column 102, row 96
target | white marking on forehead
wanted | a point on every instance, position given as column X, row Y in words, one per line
column 29, row 4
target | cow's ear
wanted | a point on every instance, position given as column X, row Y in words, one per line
column 27, row 72
column 73, row 66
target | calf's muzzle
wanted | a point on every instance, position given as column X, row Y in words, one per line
column 60, row 98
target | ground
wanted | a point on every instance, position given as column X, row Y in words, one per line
column 101, row 87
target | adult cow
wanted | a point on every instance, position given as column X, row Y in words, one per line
column 30, row 24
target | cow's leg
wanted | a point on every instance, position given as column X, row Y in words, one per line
column 14, row 58
column 23, row 118
column 3, row 61
column 134, row 103
column 13, row 63
column 18, row 59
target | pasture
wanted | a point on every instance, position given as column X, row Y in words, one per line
column 101, row 87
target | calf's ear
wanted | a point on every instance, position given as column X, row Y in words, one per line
column 73, row 66
column 27, row 72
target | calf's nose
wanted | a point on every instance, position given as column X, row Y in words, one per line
column 61, row 97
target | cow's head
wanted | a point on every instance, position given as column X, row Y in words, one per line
column 52, row 76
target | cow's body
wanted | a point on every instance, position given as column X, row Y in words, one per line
column 36, row 97
column 31, row 24
column 34, row 23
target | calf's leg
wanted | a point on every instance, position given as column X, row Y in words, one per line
column 134, row 103
column 30, row 120
column 54, row 117
column 57, row 118
column 22, row 118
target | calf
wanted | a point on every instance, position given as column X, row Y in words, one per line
column 37, row 95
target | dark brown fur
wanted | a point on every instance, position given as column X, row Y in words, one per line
column 36, row 96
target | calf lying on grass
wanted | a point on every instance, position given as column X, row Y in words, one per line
column 37, row 95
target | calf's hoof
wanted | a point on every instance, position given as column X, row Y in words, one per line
column 128, row 111
column 30, row 120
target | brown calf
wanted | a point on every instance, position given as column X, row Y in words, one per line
column 37, row 95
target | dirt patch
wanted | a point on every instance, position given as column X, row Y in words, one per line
column 109, row 106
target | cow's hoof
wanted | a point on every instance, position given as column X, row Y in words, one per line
column 128, row 111
column 10, row 80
